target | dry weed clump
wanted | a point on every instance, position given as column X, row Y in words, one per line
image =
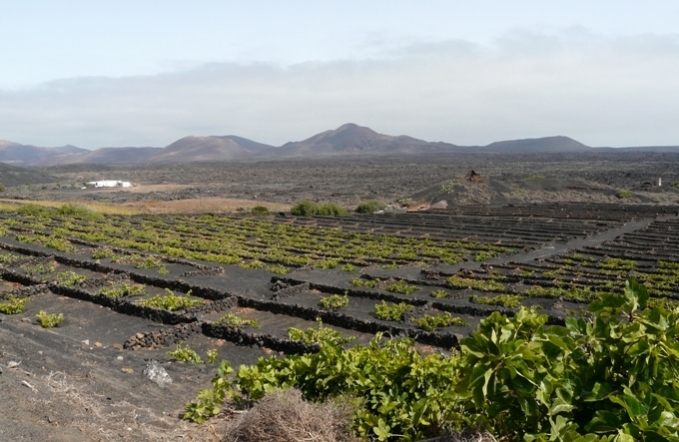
column 284, row 416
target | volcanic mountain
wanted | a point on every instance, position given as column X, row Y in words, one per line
column 26, row 154
column 351, row 139
column 195, row 149
column 348, row 140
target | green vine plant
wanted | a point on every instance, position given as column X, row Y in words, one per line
column 432, row 322
column 235, row 321
column 120, row 290
column 364, row 282
column 392, row 312
column 13, row 305
column 503, row 300
column 401, row 287
column 334, row 302
column 184, row 353
column 439, row 294
column 610, row 376
column 171, row 302
column 49, row 320
column 320, row 335
column 70, row 278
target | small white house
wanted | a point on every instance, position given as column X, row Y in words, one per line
column 109, row 183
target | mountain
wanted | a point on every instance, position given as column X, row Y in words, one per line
column 533, row 145
column 187, row 149
column 190, row 149
column 348, row 140
column 26, row 154
column 104, row 155
column 250, row 145
column 351, row 139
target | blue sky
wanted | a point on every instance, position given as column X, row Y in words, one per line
column 145, row 73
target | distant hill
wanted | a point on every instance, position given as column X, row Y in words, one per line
column 246, row 144
column 190, row 149
column 186, row 150
column 348, row 140
column 104, row 155
column 351, row 139
column 15, row 176
column 26, row 154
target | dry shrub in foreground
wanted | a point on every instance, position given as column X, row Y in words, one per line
column 283, row 416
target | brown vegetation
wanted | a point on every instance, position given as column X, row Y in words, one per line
column 284, row 416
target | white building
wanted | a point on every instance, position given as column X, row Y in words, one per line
column 109, row 183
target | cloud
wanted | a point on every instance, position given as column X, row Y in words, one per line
column 601, row 91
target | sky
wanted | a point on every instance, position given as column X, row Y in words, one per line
column 94, row 73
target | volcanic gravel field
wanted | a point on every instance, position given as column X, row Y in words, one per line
column 83, row 380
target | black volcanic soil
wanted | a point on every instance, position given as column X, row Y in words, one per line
column 77, row 383
column 349, row 181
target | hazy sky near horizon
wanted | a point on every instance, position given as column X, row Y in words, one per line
column 145, row 73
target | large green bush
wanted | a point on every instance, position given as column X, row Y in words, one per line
column 611, row 375
column 311, row 208
column 371, row 206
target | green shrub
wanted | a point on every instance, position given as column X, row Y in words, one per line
column 432, row 322
column 13, row 305
column 504, row 300
column 348, row 267
column 392, row 312
column 259, row 210
column 278, row 269
column 331, row 209
column 371, row 206
column 478, row 284
column 305, row 208
column 253, row 264
column 171, row 302
column 608, row 377
column 102, row 253
column 334, row 302
column 402, row 287
column 624, row 194
column 320, row 335
column 184, row 353
column 326, row 264
column 311, row 208
column 212, row 355
column 47, row 320
column 70, row 278
column 35, row 210
column 364, row 282
column 235, row 321
column 78, row 211
column 119, row 290
column 439, row 294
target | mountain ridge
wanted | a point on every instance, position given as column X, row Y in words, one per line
column 350, row 140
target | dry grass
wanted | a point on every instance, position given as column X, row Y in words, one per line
column 105, row 208
column 103, row 421
column 203, row 205
column 283, row 416
column 185, row 206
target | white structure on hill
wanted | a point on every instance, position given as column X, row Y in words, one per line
column 109, row 183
